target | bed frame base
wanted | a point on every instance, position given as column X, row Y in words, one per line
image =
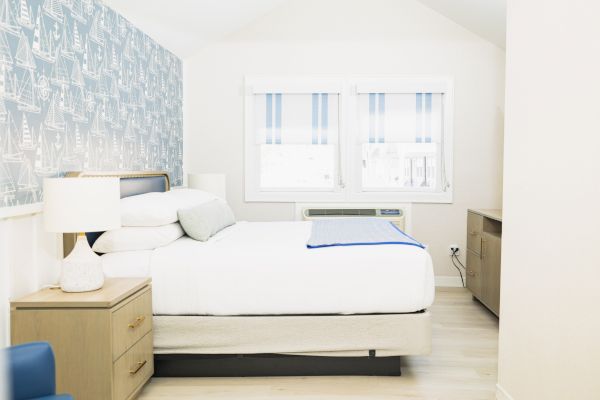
column 229, row 365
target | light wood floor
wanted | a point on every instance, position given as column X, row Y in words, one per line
column 462, row 366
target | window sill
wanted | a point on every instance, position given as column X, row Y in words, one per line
column 362, row 197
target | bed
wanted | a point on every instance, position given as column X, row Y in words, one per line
column 254, row 296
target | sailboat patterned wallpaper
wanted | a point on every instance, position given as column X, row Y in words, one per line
column 82, row 89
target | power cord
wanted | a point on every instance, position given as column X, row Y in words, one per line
column 458, row 259
column 454, row 256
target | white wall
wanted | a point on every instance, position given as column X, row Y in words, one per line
column 550, row 321
column 354, row 37
column 29, row 259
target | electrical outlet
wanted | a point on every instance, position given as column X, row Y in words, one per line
column 454, row 249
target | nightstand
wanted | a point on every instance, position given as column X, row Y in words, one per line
column 102, row 340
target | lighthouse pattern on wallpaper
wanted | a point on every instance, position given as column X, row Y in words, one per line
column 82, row 89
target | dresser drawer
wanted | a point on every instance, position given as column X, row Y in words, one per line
column 474, row 230
column 134, row 368
column 474, row 282
column 131, row 322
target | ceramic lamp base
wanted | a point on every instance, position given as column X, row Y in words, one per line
column 82, row 269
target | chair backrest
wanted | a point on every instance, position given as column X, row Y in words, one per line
column 31, row 371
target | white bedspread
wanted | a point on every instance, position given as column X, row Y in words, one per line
column 264, row 268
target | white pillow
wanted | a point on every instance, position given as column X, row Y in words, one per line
column 137, row 238
column 185, row 198
column 149, row 209
column 160, row 208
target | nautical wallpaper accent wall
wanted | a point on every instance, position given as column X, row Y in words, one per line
column 82, row 89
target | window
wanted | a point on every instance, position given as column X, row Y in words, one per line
column 379, row 139
column 401, row 137
column 298, row 136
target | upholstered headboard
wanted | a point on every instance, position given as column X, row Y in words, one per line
column 132, row 183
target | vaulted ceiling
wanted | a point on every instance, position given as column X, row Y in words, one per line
column 486, row 18
column 185, row 26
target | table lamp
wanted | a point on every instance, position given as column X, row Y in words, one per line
column 212, row 183
column 79, row 205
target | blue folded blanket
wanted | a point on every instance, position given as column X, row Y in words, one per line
column 357, row 232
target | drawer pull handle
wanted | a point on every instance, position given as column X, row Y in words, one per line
column 473, row 233
column 137, row 322
column 139, row 366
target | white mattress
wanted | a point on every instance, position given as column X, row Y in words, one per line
column 264, row 268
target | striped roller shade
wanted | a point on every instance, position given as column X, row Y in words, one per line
column 400, row 117
column 305, row 118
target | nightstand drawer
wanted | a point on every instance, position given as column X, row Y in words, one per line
column 131, row 322
column 134, row 368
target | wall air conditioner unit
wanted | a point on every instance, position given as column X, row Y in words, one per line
column 395, row 215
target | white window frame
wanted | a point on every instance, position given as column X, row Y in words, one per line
column 288, row 85
column 348, row 172
column 409, row 85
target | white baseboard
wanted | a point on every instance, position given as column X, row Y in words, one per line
column 448, row 281
column 501, row 394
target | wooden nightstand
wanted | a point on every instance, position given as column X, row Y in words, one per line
column 102, row 340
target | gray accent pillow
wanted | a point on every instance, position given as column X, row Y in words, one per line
column 202, row 221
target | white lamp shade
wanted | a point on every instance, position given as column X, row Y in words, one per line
column 81, row 204
column 212, row 183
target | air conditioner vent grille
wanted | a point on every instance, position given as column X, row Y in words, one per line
column 317, row 212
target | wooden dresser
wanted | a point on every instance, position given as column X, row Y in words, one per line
column 102, row 340
column 484, row 243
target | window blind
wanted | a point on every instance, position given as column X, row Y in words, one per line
column 400, row 117
column 296, row 118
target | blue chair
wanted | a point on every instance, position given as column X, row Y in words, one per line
column 31, row 372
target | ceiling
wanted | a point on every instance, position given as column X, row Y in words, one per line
column 185, row 26
column 486, row 18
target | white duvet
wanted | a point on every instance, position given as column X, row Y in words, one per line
column 264, row 268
